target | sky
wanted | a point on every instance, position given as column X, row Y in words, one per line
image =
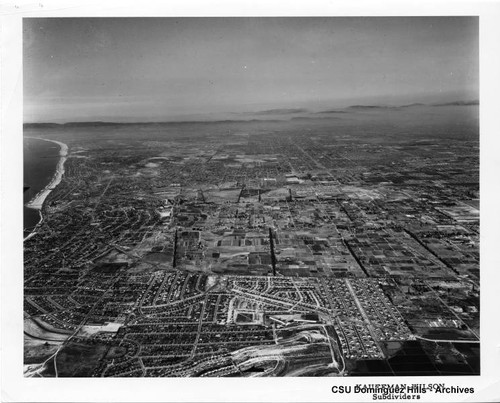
column 160, row 69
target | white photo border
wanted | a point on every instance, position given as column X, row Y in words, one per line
column 16, row 388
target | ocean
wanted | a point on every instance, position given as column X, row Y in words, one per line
column 39, row 163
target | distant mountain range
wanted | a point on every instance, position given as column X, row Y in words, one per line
column 72, row 124
column 354, row 108
column 371, row 107
column 331, row 111
column 100, row 124
column 282, row 111
column 314, row 118
column 289, row 111
column 459, row 103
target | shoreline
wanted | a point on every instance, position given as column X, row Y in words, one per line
column 37, row 202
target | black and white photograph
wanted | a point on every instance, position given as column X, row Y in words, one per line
column 253, row 196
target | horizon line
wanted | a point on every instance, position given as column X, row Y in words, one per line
column 285, row 112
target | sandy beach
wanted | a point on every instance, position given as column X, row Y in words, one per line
column 37, row 202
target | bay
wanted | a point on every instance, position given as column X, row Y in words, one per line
column 40, row 160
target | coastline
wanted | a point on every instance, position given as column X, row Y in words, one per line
column 37, row 202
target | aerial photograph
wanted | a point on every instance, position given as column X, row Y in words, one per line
column 251, row 196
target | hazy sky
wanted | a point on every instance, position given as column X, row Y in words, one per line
column 163, row 68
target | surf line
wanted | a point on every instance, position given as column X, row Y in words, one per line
column 37, row 202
